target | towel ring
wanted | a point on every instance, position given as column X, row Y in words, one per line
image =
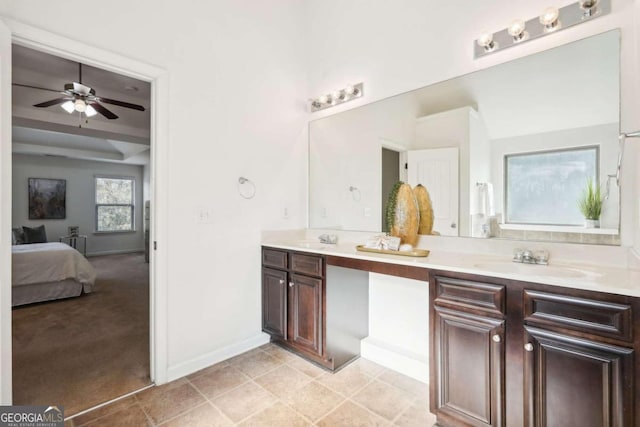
column 355, row 193
column 246, row 188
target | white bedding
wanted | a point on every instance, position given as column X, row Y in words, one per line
column 50, row 262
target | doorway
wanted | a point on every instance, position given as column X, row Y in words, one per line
column 31, row 37
column 390, row 176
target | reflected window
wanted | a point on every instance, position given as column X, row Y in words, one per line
column 548, row 185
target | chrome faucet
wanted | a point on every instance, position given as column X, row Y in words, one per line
column 527, row 256
column 331, row 239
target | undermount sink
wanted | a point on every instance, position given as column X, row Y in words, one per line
column 536, row 270
column 310, row 244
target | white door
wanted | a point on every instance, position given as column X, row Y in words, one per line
column 5, row 214
column 437, row 169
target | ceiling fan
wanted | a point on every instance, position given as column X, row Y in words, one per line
column 81, row 98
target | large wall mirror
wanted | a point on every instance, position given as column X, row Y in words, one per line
column 505, row 152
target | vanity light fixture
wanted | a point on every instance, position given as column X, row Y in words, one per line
column 337, row 97
column 551, row 20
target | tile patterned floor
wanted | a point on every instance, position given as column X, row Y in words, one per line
column 269, row 386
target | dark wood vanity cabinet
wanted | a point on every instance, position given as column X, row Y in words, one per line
column 292, row 291
column 508, row 353
column 468, row 357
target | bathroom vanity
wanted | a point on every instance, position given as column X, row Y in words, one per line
column 509, row 345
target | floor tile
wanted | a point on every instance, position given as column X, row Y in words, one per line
column 306, row 367
column 256, row 363
column 208, row 370
column 346, row 381
column 417, row 415
column 277, row 415
column 313, row 400
column 383, row 399
column 129, row 417
column 279, row 353
column 243, row 401
column 219, row 381
column 282, row 380
column 125, row 403
column 415, row 387
column 204, row 415
column 351, row 415
column 366, row 367
column 167, row 401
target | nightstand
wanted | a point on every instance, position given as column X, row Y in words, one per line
column 73, row 242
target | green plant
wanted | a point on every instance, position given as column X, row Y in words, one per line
column 391, row 205
column 590, row 204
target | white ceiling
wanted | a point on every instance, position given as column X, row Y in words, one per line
column 53, row 131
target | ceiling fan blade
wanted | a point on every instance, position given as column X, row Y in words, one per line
column 102, row 110
column 52, row 102
column 121, row 104
column 82, row 89
column 36, row 87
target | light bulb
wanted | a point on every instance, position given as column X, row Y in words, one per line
column 549, row 18
column 323, row 99
column 349, row 90
column 337, row 95
column 80, row 106
column 516, row 30
column 589, row 7
column 90, row 111
column 486, row 41
column 68, row 107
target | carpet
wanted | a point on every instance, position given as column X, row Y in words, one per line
column 80, row 352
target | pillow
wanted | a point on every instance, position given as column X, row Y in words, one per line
column 17, row 236
column 35, row 235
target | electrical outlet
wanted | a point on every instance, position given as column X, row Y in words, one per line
column 204, row 215
column 367, row 212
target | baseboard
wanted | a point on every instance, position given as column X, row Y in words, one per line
column 409, row 364
column 114, row 252
column 206, row 360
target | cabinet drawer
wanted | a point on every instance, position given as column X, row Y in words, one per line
column 578, row 314
column 461, row 294
column 274, row 258
column 307, row 264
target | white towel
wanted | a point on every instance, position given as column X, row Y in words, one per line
column 483, row 203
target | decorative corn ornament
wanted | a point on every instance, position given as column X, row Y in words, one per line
column 403, row 214
column 426, row 209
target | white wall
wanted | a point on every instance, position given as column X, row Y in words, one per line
column 80, row 200
column 237, row 77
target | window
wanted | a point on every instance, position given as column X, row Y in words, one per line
column 548, row 185
column 114, row 204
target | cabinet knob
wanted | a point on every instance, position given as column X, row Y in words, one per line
column 528, row 346
column 281, row 281
column 291, row 284
column 496, row 338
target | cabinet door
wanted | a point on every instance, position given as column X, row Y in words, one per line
column 305, row 312
column 573, row 382
column 274, row 302
column 469, row 367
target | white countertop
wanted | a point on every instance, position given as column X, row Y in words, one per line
column 613, row 280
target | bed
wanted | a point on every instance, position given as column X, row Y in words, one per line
column 48, row 271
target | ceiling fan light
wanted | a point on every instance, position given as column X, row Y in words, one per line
column 90, row 111
column 80, row 106
column 68, row 107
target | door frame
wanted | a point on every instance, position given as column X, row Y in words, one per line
column 36, row 38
